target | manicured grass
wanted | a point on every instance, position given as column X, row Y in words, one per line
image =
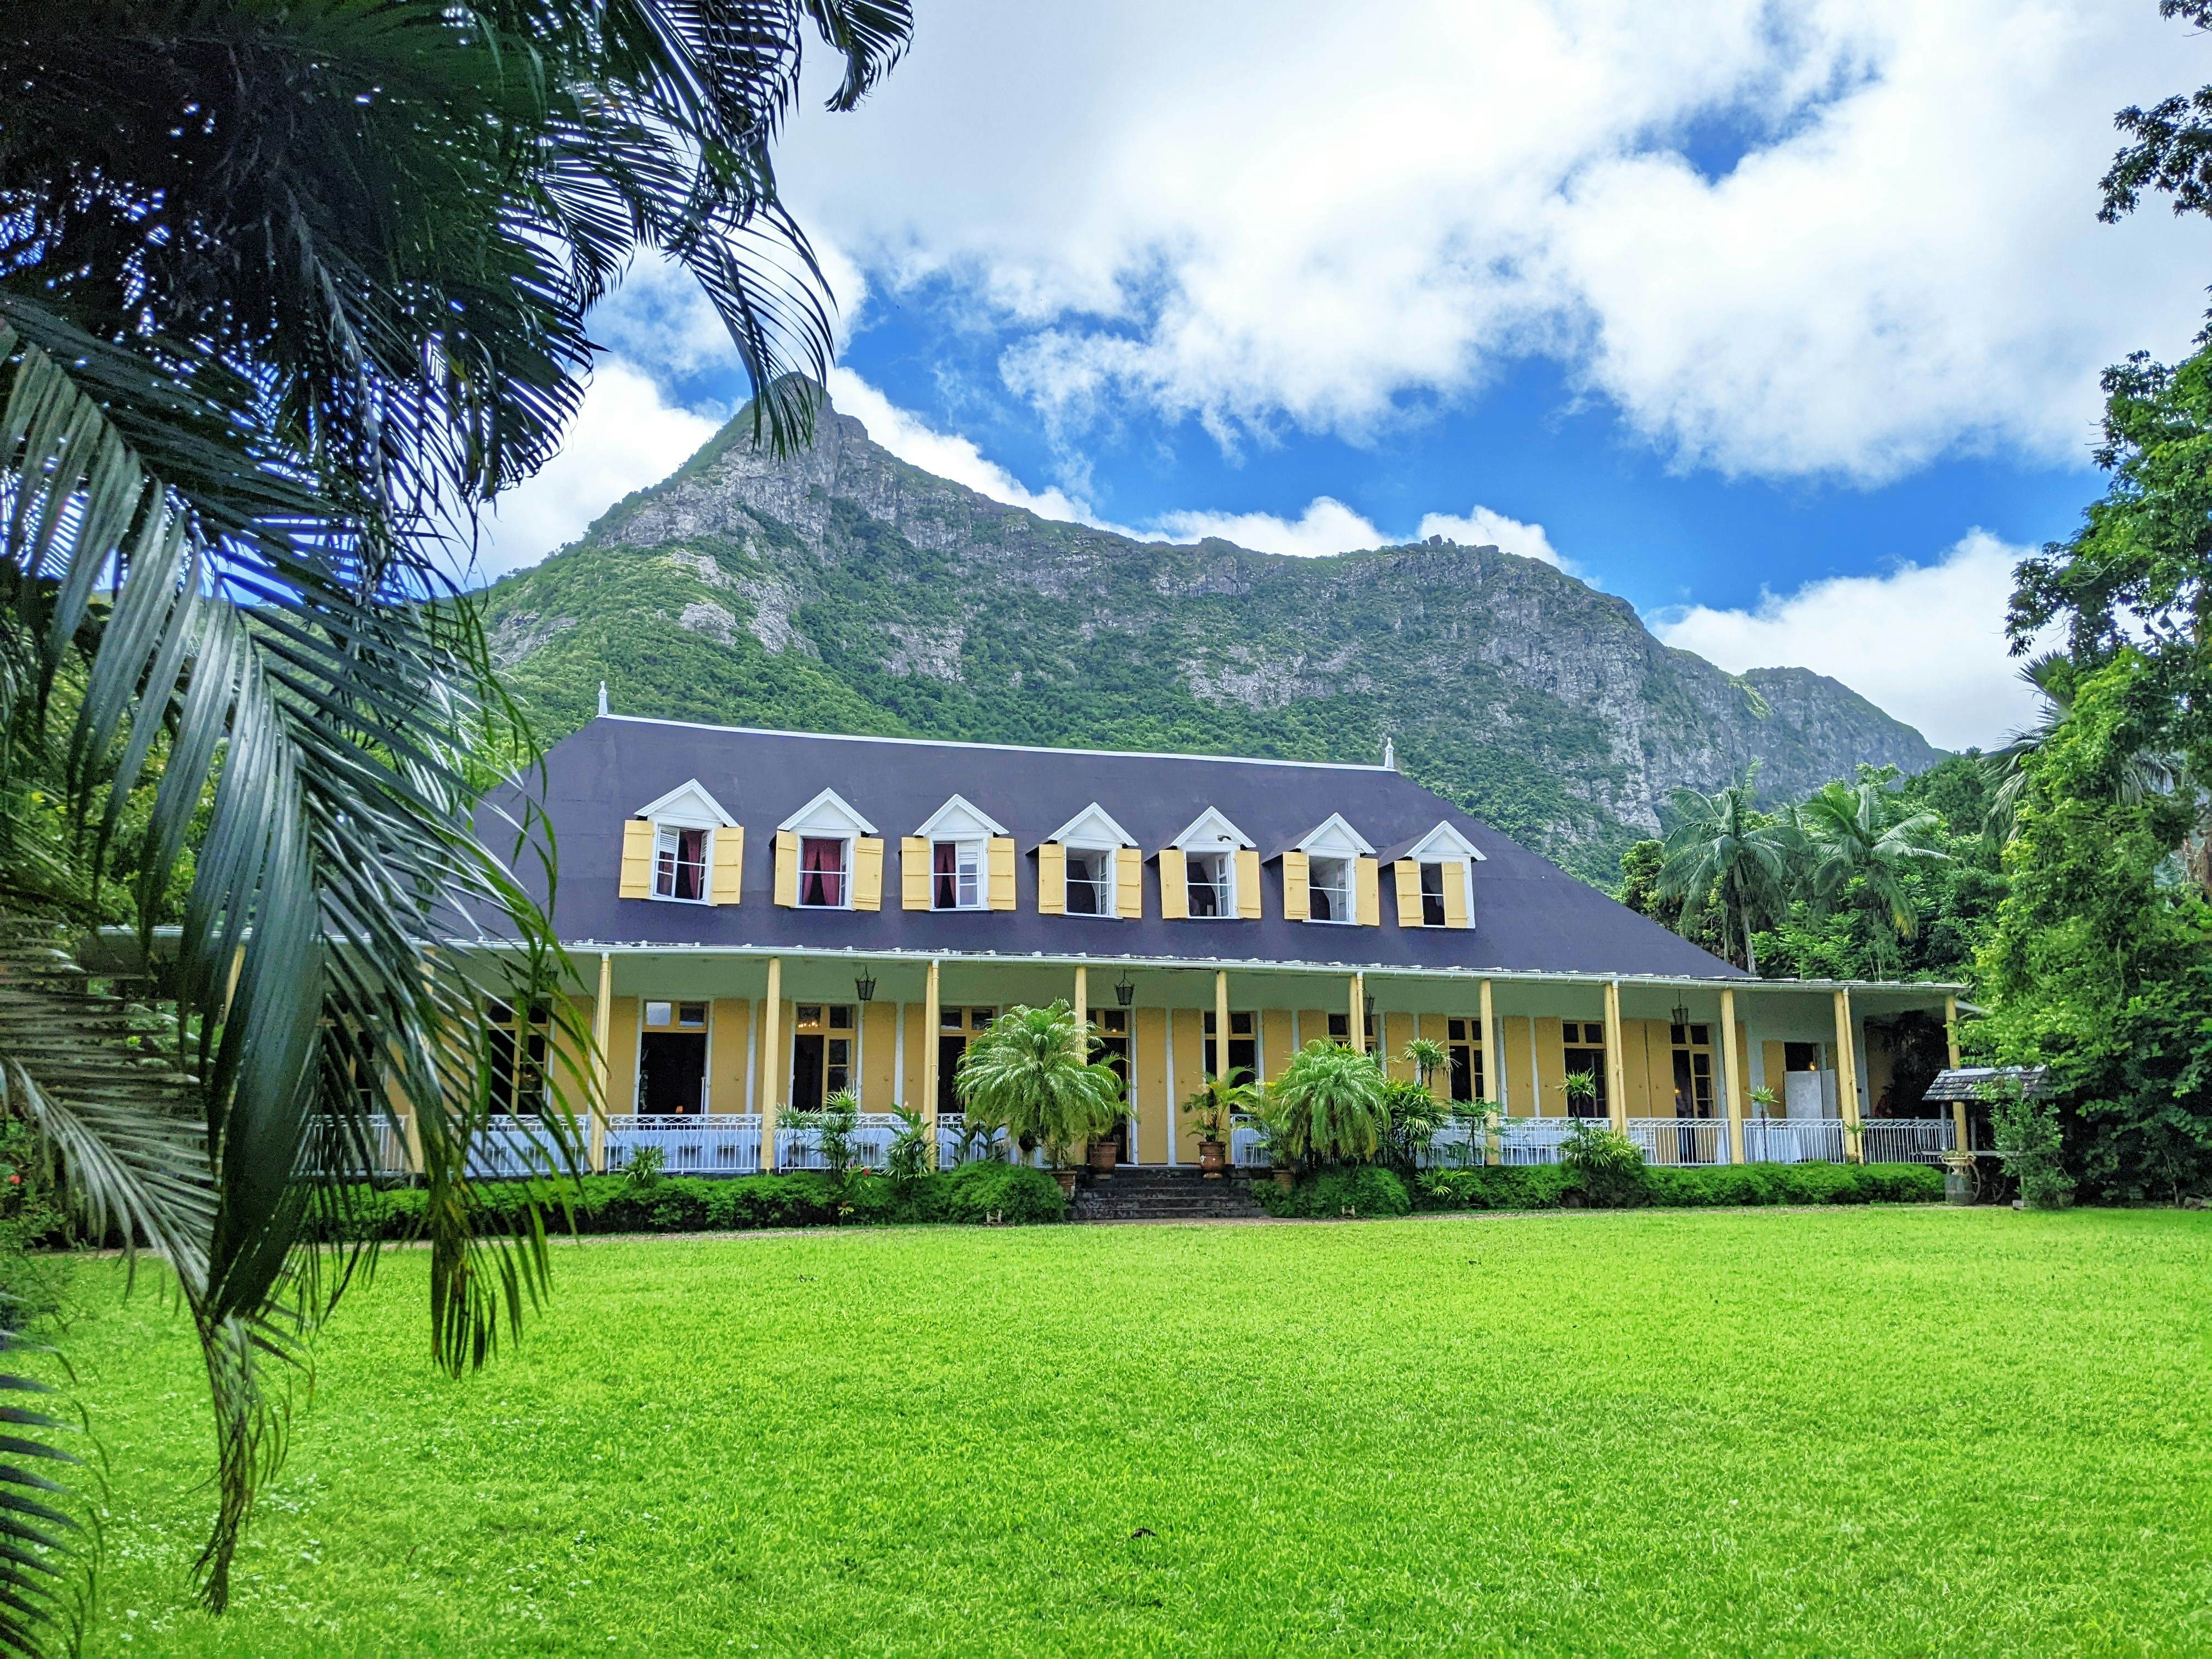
column 1879, row 1431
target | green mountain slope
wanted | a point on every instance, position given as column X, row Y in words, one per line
column 843, row 590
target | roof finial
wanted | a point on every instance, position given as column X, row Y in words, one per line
column 603, row 696
column 1390, row 755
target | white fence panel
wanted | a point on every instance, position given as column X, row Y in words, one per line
column 1793, row 1140
column 1680, row 1141
column 1247, row 1147
column 1533, row 1139
column 872, row 1134
column 689, row 1144
column 1909, row 1139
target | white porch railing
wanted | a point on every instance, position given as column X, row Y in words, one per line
column 521, row 1147
column 1533, row 1139
column 1909, row 1139
column 1246, row 1146
column 1793, row 1140
column 327, row 1151
column 872, row 1132
column 1680, row 1141
column 689, row 1144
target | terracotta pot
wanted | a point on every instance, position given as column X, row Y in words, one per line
column 1210, row 1158
column 1286, row 1179
column 1067, row 1180
column 1104, row 1154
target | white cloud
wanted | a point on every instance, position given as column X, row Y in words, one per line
column 1924, row 642
column 947, row 454
column 1326, row 526
column 1324, row 217
column 1482, row 527
column 628, row 435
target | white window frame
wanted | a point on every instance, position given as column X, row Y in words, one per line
column 687, row 806
column 1447, row 845
column 828, row 816
column 976, row 879
column 668, row 830
column 1210, row 834
column 1344, row 899
column 1093, row 831
column 1110, row 894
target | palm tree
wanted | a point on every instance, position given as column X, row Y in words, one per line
column 1721, row 851
column 1330, row 1103
column 285, row 293
column 1027, row 1075
column 1861, row 843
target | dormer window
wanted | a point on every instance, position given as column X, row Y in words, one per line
column 1435, row 877
column 1210, row 879
column 1090, row 866
column 1329, row 894
column 682, row 849
column 825, row 868
column 1210, row 872
column 1432, row 895
column 959, row 858
column 679, row 864
column 828, row 857
column 956, row 875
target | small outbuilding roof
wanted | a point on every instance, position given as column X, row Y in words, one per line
column 1967, row 1082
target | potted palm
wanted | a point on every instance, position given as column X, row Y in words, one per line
column 1210, row 1107
column 1025, row 1075
column 1580, row 1091
column 1331, row 1103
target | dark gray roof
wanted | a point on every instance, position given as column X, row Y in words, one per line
column 1529, row 915
column 1966, row 1083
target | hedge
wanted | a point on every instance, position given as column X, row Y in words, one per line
column 977, row 1191
column 1375, row 1192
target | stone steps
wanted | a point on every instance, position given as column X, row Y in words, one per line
column 1162, row 1194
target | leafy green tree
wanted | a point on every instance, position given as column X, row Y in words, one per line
column 1861, row 841
column 2099, row 966
column 285, row 292
column 1331, row 1103
column 1723, row 851
column 1027, row 1075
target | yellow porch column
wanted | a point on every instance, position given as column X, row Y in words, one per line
column 1357, row 1026
column 603, row 1026
column 1847, row 1076
column 932, row 1017
column 1731, row 1080
column 1221, row 1022
column 771, row 1060
column 1616, row 1069
column 1951, row 1041
column 1082, row 1011
column 1493, row 1068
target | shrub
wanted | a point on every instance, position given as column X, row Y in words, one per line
column 30, row 1286
column 2026, row 1130
column 1008, row 1192
column 1365, row 1191
column 1329, row 1103
column 1545, row 1186
column 1603, row 1164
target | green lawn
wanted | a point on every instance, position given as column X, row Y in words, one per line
column 1888, row 1431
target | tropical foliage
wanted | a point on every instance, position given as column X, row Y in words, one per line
column 1724, row 851
column 1331, row 1104
column 1027, row 1075
column 285, row 293
column 1220, row 1098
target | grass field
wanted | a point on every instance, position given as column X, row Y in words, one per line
column 1861, row 1431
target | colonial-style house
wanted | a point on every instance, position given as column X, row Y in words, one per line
column 763, row 918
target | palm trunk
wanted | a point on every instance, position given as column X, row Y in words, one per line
column 1750, row 955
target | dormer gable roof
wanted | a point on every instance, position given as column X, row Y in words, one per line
column 689, row 806
column 1440, row 843
column 959, row 816
column 1210, row 831
column 1094, row 826
column 1333, row 837
column 828, row 813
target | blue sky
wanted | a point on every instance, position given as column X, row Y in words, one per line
column 1782, row 323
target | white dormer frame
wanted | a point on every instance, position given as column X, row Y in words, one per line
column 1210, row 832
column 959, row 819
column 688, row 807
column 1093, row 828
column 1444, row 842
column 830, row 817
column 1335, row 838
column 828, row 814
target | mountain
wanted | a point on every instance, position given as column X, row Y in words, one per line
column 842, row 590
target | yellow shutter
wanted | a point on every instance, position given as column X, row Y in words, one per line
column 1409, row 876
column 729, row 864
column 1298, row 887
column 786, row 868
column 1002, row 872
column 1052, row 879
column 1369, row 872
column 1129, row 883
column 1455, row 895
column 1174, row 895
column 868, row 872
column 914, row 872
column 637, row 860
column 1248, row 882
